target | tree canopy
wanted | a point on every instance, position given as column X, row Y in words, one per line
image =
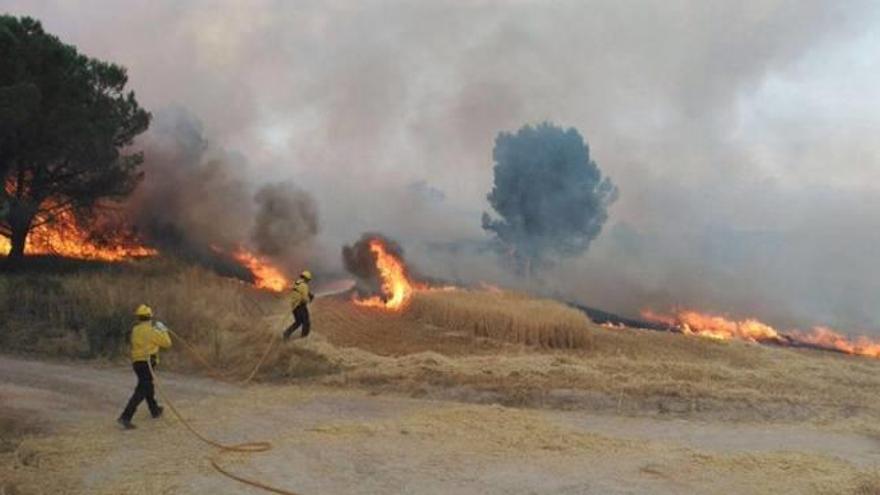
column 550, row 196
column 66, row 121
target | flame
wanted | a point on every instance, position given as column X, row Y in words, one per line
column 64, row 236
column 752, row 330
column 266, row 275
column 827, row 338
column 720, row 328
column 716, row 327
column 396, row 288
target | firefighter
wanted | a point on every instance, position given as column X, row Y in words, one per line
column 299, row 303
column 147, row 337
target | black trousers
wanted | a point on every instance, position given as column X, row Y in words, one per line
column 143, row 391
column 300, row 318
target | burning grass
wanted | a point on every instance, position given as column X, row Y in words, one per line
column 64, row 235
column 467, row 345
column 483, row 346
column 618, row 370
column 752, row 330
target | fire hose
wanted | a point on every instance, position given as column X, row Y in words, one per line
column 246, row 447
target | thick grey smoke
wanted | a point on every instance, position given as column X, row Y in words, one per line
column 741, row 134
column 198, row 201
column 551, row 197
column 286, row 220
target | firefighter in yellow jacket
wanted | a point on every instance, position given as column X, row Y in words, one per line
column 147, row 337
column 299, row 303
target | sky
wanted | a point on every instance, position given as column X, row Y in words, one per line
column 741, row 134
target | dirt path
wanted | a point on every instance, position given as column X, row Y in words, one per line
column 344, row 441
column 67, row 393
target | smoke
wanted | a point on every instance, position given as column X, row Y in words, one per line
column 286, row 220
column 550, row 195
column 199, row 202
column 360, row 261
column 742, row 134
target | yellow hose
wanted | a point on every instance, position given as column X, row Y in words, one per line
column 212, row 371
column 247, row 447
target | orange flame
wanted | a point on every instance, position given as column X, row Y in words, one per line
column 65, row 237
column 827, row 338
column 266, row 275
column 720, row 328
column 396, row 288
column 753, row 330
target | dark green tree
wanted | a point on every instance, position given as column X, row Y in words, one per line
column 66, row 123
column 550, row 196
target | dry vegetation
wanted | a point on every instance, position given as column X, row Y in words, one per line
column 628, row 370
column 88, row 314
column 480, row 346
column 504, row 316
column 473, row 346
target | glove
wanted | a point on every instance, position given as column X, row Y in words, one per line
column 311, row 297
column 160, row 326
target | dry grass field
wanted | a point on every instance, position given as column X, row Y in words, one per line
column 473, row 345
column 487, row 348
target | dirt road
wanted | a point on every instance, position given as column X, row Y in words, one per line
column 348, row 441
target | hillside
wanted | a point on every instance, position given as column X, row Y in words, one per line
column 475, row 345
column 510, row 356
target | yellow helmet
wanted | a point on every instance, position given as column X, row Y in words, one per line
column 307, row 275
column 144, row 311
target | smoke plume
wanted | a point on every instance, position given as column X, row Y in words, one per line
column 743, row 135
column 199, row 201
column 286, row 220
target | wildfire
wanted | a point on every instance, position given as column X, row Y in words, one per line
column 752, row 330
column 827, row 338
column 396, row 288
column 65, row 237
column 266, row 275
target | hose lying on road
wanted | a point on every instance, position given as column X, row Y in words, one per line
column 247, row 447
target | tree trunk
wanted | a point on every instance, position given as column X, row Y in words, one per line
column 19, row 237
column 21, row 217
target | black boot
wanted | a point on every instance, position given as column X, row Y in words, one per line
column 126, row 424
column 158, row 413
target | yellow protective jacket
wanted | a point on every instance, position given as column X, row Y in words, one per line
column 300, row 294
column 146, row 340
